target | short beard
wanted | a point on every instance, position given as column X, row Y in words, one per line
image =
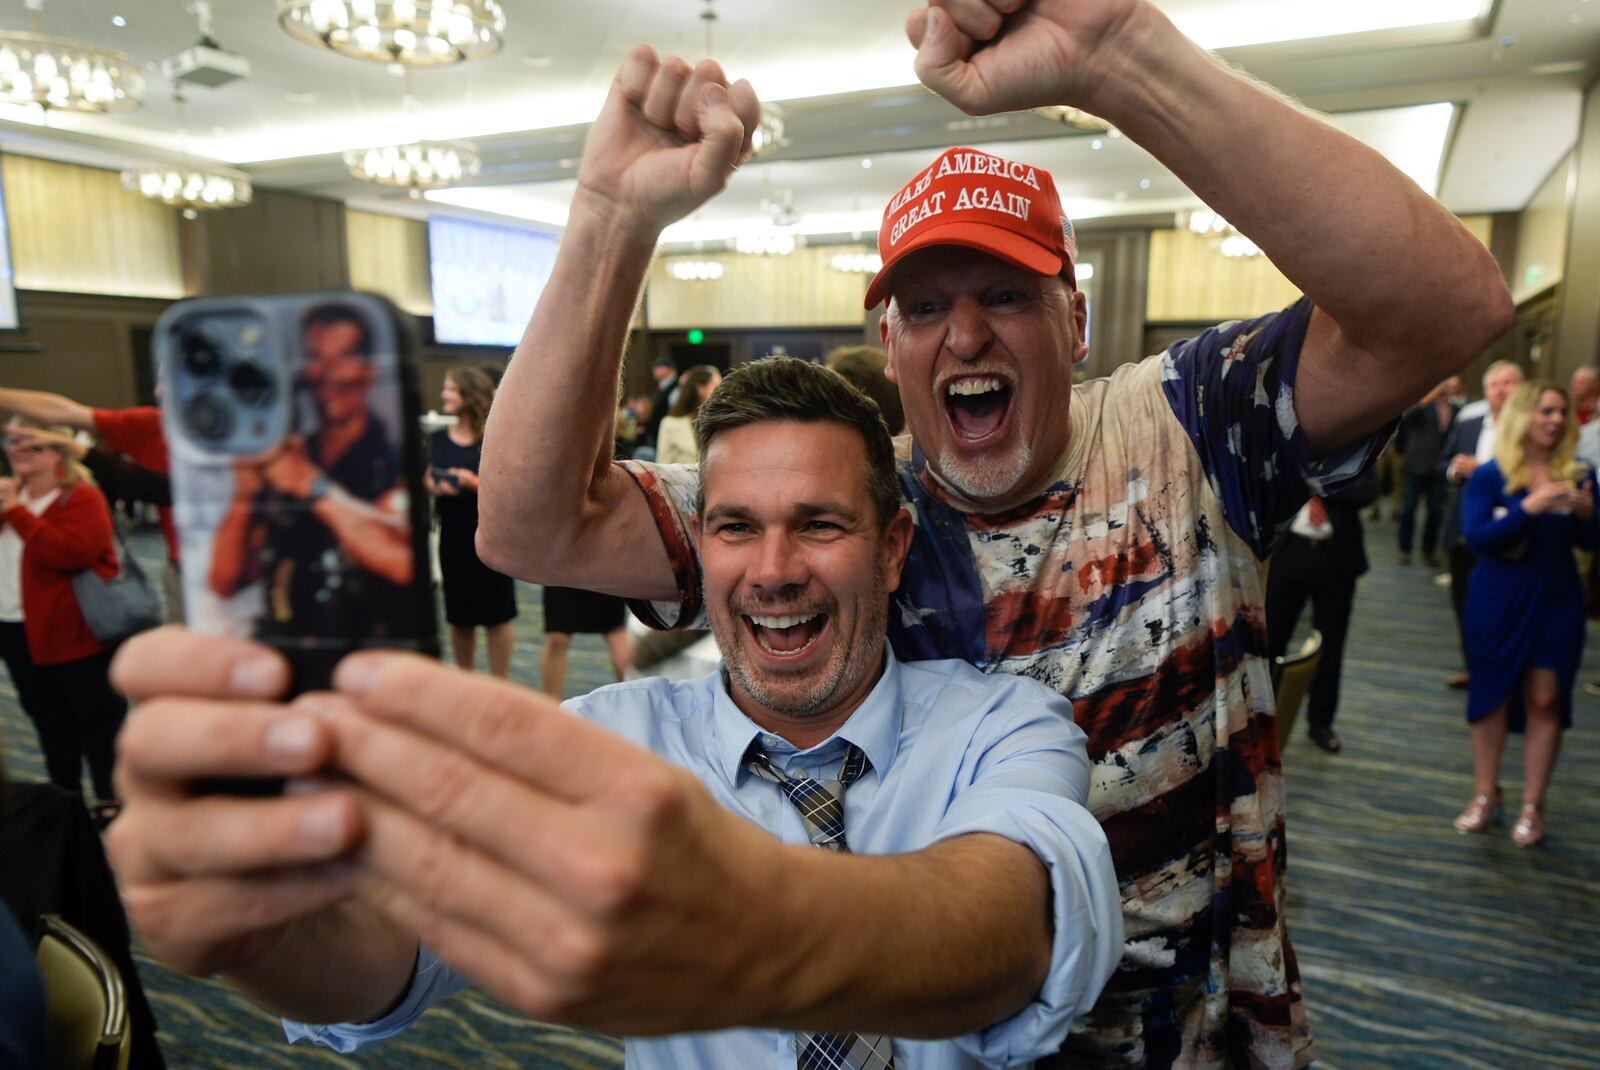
column 987, row 478
column 861, row 654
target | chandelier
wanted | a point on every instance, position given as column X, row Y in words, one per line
column 1208, row 224
column 1073, row 117
column 768, row 136
column 189, row 185
column 858, row 263
column 418, row 166
column 413, row 33
column 54, row 72
column 696, row 270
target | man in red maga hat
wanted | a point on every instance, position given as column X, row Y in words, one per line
column 1104, row 537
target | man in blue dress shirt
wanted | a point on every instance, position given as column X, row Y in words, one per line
column 652, row 868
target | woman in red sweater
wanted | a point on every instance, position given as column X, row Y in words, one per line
column 53, row 523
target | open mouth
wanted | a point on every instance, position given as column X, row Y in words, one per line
column 977, row 406
column 786, row 635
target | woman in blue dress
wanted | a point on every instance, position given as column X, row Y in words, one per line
column 1522, row 514
column 475, row 596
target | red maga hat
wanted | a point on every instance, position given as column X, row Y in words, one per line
column 985, row 202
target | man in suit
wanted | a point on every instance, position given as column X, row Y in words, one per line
column 1470, row 443
column 1420, row 440
column 1319, row 558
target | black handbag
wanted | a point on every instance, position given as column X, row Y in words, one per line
column 123, row 605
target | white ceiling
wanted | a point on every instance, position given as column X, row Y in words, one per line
column 1513, row 70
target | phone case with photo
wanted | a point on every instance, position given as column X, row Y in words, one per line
column 292, row 425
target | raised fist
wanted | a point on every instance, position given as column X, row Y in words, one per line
column 667, row 139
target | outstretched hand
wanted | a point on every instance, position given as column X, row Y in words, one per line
column 568, row 872
column 987, row 56
column 667, row 139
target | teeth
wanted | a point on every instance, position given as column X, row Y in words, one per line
column 782, row 622
column 975, row 385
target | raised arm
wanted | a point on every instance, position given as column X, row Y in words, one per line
column 1318, row 202
column 552, row 506
column 46, row 408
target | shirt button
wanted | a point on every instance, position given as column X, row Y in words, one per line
column 769, row 741
column 794, row 1045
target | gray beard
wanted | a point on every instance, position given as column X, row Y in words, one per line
column 987, row 479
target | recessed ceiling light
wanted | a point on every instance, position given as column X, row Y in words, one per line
column 1144, row 183
column 118, row 21
column 867, row 164
column 1097, row 144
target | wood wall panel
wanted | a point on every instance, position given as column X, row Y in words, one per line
column 389, row 256
column 1190, row 281
column 75, row 229
column 279, row 243
column 798, row 290
column 82, row 346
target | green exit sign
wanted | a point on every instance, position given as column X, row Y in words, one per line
column 696, row 336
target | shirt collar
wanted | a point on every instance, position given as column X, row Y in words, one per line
column 874, row 726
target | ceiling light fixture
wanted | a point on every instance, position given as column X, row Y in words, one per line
column 66, row 75
column 418, row 166
column 768, row 137
column 415, row 33
column 189, row 185
column 858, row 263
column 696, row 270
column 1222, row 235
column 771, row 243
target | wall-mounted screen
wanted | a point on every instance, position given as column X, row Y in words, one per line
column 8, row 284
column 486, row 279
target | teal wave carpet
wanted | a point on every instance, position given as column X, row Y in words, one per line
column 1420, row 948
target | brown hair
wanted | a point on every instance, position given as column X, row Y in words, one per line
column 784, row 388
column 688, row 388
column 477, row 394
column 863, row 368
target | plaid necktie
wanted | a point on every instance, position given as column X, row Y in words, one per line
column 821, row 807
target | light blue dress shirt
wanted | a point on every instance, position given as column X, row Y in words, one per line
column 953, row 751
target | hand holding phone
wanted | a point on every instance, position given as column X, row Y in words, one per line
column 233, row 883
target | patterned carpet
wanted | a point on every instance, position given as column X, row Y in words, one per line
column 1420, row 948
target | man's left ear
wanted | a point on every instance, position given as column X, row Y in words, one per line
column 896, row 546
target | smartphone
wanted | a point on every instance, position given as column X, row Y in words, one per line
column 292, row 425
column 444, row 475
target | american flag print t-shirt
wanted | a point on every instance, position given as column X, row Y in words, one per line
column 1134, row 586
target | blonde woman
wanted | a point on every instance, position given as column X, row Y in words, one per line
column 54, row 523
column 1522, row 514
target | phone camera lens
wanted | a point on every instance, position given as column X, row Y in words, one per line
column 250, row 383
column 208, row 418
column 200, row 356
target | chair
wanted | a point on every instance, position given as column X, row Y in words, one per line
column 84, row 996
column 1291, row 679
